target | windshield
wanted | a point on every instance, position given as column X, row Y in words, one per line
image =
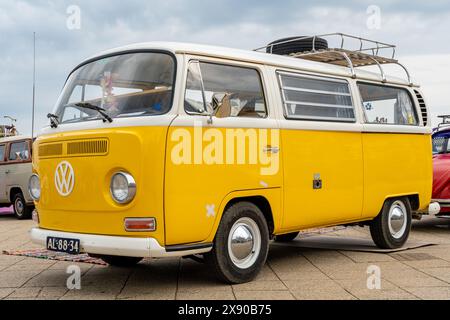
column 441, row 143
column 127, row 85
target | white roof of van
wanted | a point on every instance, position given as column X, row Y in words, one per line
column 14, row 138
column 255, row 57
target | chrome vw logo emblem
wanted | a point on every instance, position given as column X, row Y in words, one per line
column 64, row 178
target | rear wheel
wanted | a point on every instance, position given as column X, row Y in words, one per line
column 21, row 210
column 288, row 237
column 391, row 228
column 241, row 244
column 122, row 262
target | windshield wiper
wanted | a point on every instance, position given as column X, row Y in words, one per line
column 101, row 111
column 54, row 120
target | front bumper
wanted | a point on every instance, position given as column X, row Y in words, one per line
column 115, row 246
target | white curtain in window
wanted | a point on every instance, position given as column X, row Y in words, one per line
column 404, row 110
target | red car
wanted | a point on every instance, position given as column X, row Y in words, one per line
column 441, row 161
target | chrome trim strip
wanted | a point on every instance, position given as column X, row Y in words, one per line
column 313, row 104
column 441, row 200
column 316, row 77
column 352, row 120
column 317, row 91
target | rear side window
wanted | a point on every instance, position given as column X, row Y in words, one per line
column 441, row 143
column 2, row 152
column 387, row 105
column 316, row 98
column 229, row 91
column 19, row 151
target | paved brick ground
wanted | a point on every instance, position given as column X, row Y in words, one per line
column 291, row 273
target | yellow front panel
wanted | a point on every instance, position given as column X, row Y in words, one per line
column 139, row 151
column 196, row 188
column 396, row 164
column 337, row 158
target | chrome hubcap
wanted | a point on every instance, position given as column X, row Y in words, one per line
column 19, row 206
column 397, row 219
column 244, row 243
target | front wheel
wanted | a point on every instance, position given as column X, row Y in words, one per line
column 21, row 210
column 391, row 228
column 122, row 262
column 241, row 244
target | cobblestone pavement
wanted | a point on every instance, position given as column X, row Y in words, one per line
column 291, row 273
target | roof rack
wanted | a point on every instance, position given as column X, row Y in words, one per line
column 7, row 131
column 368, row 53
column 445, row 121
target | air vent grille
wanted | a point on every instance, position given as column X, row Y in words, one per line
column 92, row 147
column 423, row 107
column 74, row 148
column 50, row 150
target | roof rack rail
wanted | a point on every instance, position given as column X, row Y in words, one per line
column 445, row 121
column 368, row 53
column 8, row 131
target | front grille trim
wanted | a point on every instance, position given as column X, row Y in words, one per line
column 74, row 148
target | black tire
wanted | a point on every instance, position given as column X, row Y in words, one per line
column 296, row 46
column 288, row 237
column 380, row 230
column 221, row 259
column 21, row 210
column 122, row 262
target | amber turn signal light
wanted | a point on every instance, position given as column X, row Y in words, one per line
column 140, row 224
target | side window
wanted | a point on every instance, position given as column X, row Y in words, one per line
column 194, row 100
column 387, row 105
column 19, row 151
column 316, row 98
column 441, row 143
column 2, row 152
column 228, row 91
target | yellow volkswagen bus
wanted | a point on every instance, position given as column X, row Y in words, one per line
column 169, row 149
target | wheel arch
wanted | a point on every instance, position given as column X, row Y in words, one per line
column 262, row 203
column 267, row 200
column 13, row 191
column 414, row 200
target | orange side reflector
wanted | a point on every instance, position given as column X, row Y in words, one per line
column 140, row 224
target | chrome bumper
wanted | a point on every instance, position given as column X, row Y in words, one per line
column 115, row 246
column 444, row 203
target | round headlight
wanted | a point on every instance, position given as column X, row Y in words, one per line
column 34, row 187
column 123, row 187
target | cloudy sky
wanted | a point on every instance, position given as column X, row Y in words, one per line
column 419, row 28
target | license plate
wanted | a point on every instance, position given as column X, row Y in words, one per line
column 70, row 246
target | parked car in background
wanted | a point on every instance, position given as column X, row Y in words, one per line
column 15, row 171
column 441, row 162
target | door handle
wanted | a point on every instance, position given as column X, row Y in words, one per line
column 7, row 172
column 270, row 149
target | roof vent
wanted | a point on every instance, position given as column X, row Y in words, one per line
column 423, row 107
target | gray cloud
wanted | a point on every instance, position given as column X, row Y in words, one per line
column 419, row 28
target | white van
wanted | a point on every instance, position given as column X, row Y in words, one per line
column 15, row 171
